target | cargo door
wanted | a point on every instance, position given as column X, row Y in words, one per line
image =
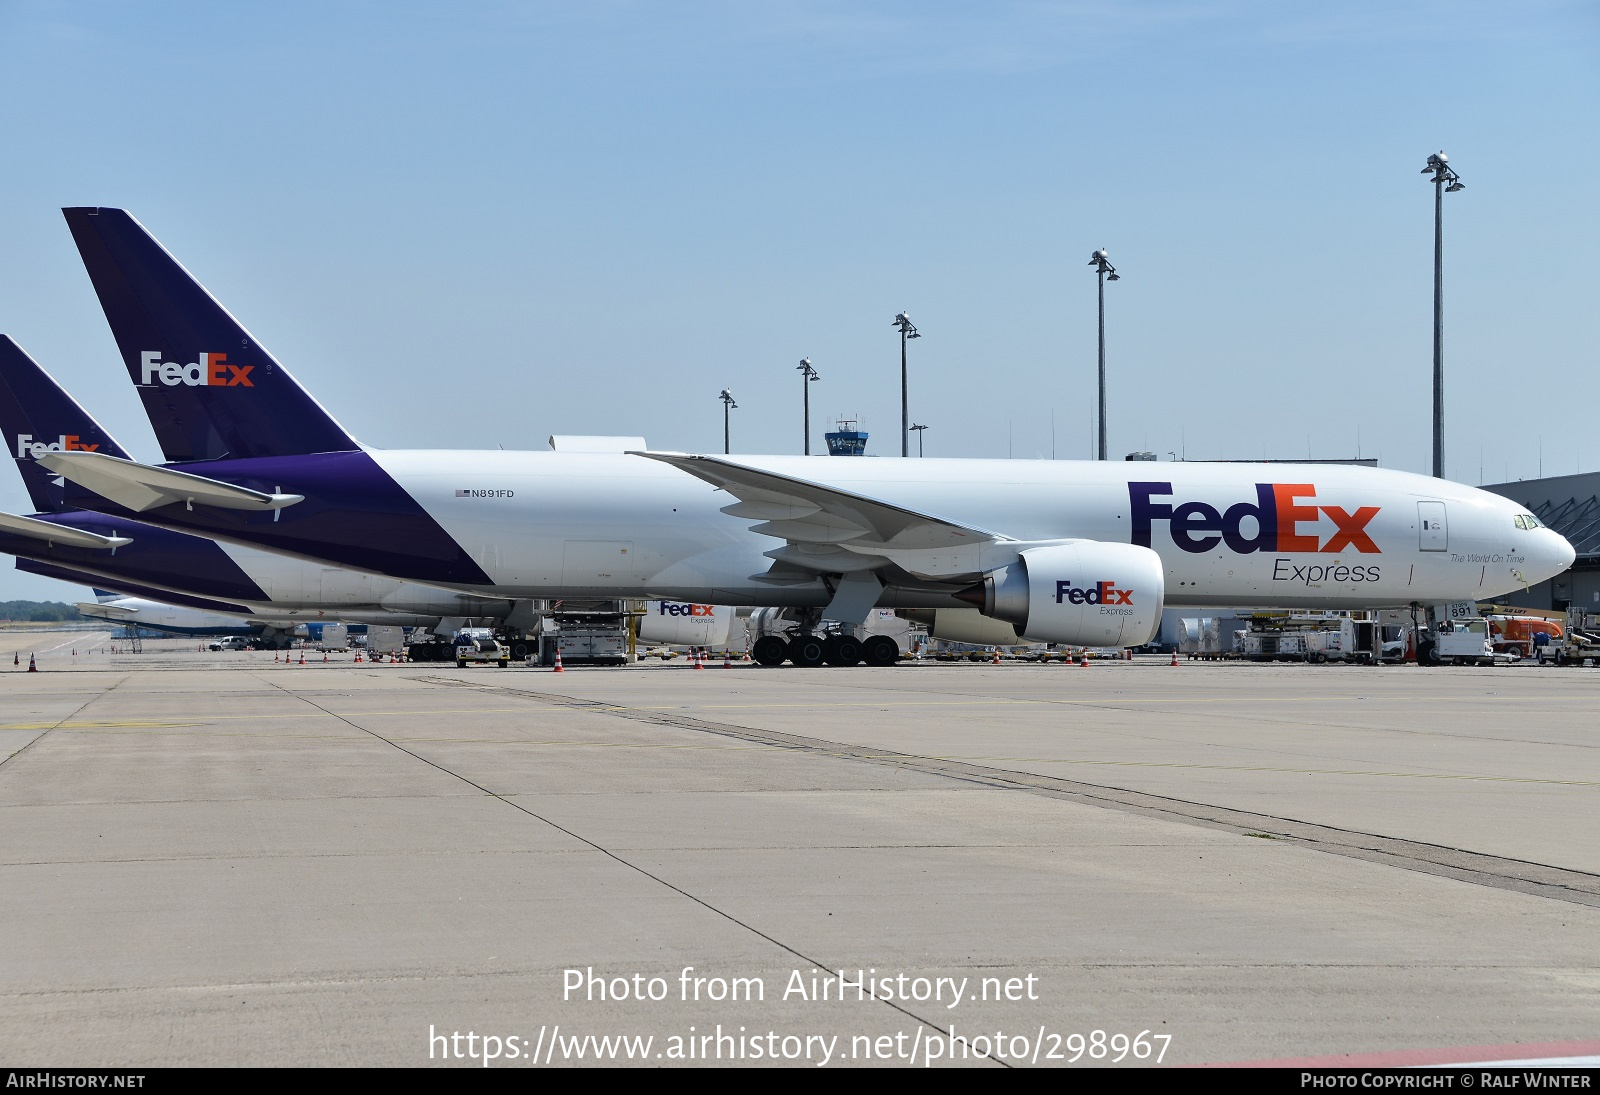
column 1431, row 527
column 604, row 564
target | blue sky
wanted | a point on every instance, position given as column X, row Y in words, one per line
column 476, row 224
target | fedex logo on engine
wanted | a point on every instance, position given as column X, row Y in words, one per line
column 67, row 442
column 1101, row 593
column 674, row 608
column 1279, row 512
column 211, row 371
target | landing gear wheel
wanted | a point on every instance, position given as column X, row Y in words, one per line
column 841, row 650
column 806, row 650
column 880, row 650
column 519, row 651
column 770, row 650
column 1427, row 654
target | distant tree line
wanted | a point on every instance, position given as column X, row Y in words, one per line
column 37, row 611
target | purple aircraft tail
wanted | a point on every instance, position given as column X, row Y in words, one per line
column 37, row 417
column 211, row 391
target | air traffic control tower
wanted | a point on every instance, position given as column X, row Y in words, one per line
column 845, row 439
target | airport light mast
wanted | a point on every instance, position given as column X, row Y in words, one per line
column 918, row 431
column 807, row 376
column 1103, row 267
column 727, row 405
column 1445, row 181
column 907, row 331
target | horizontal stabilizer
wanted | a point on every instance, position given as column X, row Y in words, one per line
column 52, row 533
column 105, row 611
column 140, row 487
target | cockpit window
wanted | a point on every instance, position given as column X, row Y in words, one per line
column 1528, row 520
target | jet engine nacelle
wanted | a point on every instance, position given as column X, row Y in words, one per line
column 686, row 624
column 1083, row 593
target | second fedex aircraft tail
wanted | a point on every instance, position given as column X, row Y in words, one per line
column 211, row 391
column 36, row 417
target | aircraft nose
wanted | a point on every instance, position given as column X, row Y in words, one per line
column 1561, row 552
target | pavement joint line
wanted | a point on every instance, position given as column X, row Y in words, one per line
column 35, row 741
column 648, row 849
column 614, row 856
column 1495, row 872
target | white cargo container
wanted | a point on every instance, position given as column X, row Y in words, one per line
column 584, row 645
column 385, row 639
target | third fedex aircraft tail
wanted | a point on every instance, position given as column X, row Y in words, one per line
column 36, row 417
column 211, row 391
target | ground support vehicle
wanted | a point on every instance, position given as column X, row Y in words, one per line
column 1579, row 643
column 1312, row 637
column 479, row 646
column 1521, row 631
column 1461, row 642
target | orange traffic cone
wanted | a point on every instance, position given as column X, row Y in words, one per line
column 996, row 659
column 1083, row 661
column 32, row 668
column 274, row 657
column 558, row 668
column 727, row 659
column 358, row 655
column 324, row 657
column 699, row 662
column 1174, row 656
column 302, row 656
column 747, row 653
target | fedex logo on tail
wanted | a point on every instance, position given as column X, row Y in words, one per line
column 67, row 442
column 211, row 371
column 1279, row 512
column 1101, row 593
column 675, row 608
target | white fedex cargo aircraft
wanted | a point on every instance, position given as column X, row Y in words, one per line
column 1065, row 551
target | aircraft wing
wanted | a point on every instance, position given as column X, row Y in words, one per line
column 52, row 533
column 140, row 487
column 830, row 530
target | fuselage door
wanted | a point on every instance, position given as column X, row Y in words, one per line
column 1431, row 527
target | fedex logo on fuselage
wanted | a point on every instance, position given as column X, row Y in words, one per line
column 674, row 608
column 211, row 371
column 1101, row 593
column 1279, row 511
column 67, row 442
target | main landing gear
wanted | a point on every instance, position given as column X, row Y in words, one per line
column 807, row 649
